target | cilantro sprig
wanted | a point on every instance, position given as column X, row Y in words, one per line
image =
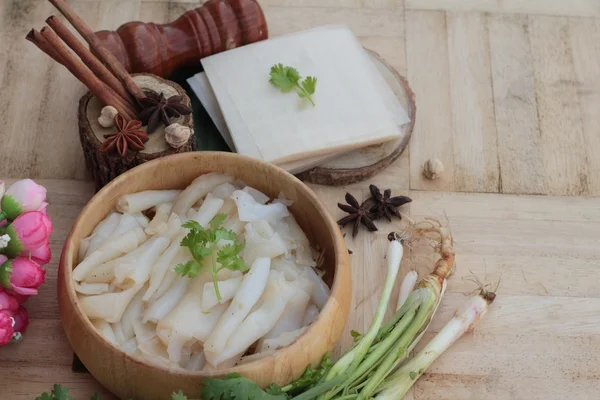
column 287, row 79
column 202, row 243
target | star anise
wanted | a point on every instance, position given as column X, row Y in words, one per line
column 157, row 109
column 358, row 214
column 382, row 205
column 129, row 136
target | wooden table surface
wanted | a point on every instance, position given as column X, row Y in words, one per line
column 508, row 97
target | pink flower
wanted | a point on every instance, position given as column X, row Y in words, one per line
column 27, row 232
column 41, row 255
column 21, row 196
column 22, row 275
column 8, row 302
column 21, row 320
column 6, row 328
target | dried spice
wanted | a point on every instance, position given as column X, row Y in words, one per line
column 358, row 214
column 375, row 207
column 384, row 205
column 129, row 136
column 157, row 109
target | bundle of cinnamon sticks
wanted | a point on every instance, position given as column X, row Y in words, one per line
column 99, row 70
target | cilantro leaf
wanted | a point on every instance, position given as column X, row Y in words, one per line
column 178, row 396
column 58, row 393
column 190, row 269
column 287, row 78
column 202, row 244
column 235, row 387
column 284, row 78
column 310, row 377
column 217, row 221
column 96, row 396
column 309, row 84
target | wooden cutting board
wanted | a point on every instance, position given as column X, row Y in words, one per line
column 540, row 340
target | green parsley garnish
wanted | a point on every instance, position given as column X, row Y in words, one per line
column 287, row 79
column 203, row 243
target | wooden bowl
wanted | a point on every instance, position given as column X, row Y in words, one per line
column 127, row 377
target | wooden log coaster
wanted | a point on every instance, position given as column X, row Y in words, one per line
column 105, row 166
column 361, row 164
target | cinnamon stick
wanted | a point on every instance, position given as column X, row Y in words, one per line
column 36, row 38
column 90, row 60
column 104, row 94
column 105, row 56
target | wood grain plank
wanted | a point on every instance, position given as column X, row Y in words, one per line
column 367, row 22
column 519, row 142
column 25, row 64
column 502, row 387
column 473, row 126
column 427, row 72
column 585, row 45
column 157, row 12
column 563, row 144
column 584, row 8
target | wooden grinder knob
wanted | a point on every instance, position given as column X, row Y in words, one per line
column 216, row 26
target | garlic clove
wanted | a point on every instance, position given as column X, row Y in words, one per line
column 177, row 135
column 107, row 116
column 433, row 168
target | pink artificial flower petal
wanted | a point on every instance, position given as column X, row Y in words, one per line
column 28, row 194
column 6, row 328
column 21, row 320
column 33, row 229
column 26, row 276
column 41, row 255
column 8, row 302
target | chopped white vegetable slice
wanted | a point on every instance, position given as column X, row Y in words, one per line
column 208, row 210
column 321, row 291
column 261, row 241
column 249, row 210
column 164, row 305
column 197, row 361
column 127, row 223
column 278, row 342
column 176, row 344
column 91, row 288
column 83, row 247
column 155, row 352
column 197, row 190
column 283, row 200
column 250, row 291
column 259, row 196
column 105, row 330
column 292, row 316
column 137, row 270
column 140, row 201
column 102, row 232
column 144, row 331
column 257, row 324
column 119, row 334
column 133, row 312
column 110, row 250
column 130, row 347
column 159, row 223
column 310, row 316
column 161, row 267
column 108, row 306
column 224, row 191
column 287, row 267
column 227, row 289
column 142, row 220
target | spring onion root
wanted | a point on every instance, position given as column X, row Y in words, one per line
column 361, row 371
column 398, row 384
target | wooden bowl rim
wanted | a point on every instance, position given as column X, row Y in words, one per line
column 341, row 267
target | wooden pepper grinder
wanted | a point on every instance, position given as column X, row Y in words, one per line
column 216, row 26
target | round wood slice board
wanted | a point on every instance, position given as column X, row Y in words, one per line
column 361, row 164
